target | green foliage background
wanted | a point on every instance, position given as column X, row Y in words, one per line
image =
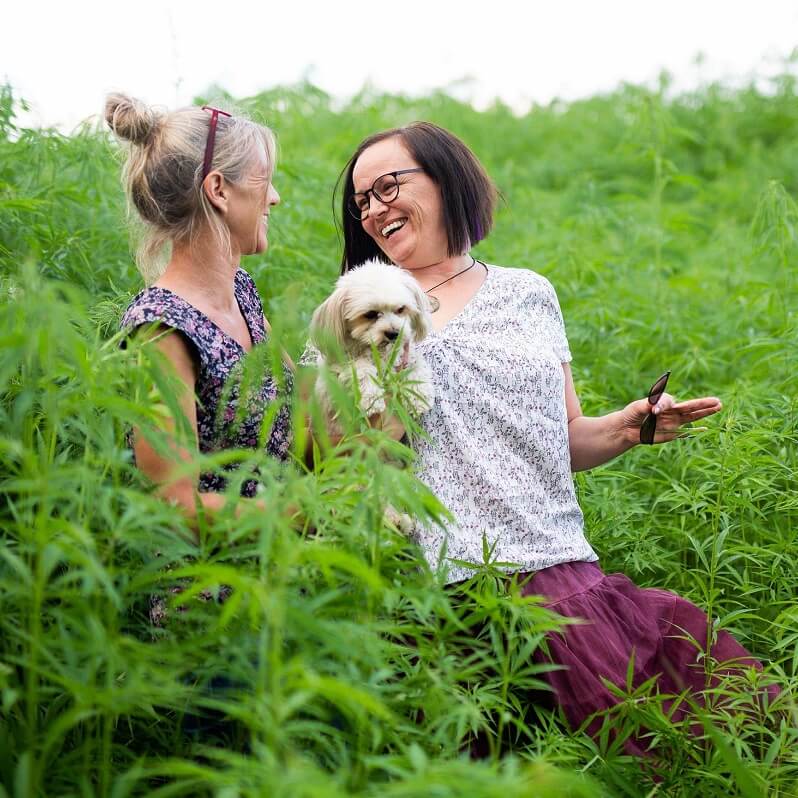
column 339, row 666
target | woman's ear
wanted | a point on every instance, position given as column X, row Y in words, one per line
column 328, row 325
column 217, row 190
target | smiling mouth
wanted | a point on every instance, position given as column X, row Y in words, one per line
column 391, row 228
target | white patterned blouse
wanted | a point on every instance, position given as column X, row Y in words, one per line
column 497, row 454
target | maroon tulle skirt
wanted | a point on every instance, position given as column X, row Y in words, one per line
column 666, row 632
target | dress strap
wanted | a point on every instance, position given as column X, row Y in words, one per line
column 160, row 306
column 251, row 306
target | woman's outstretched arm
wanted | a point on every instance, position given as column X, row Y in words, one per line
column 596, row 440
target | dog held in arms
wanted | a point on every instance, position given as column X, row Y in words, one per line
column 372, row 320
column 374, row 307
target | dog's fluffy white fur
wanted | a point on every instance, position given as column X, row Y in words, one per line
column 374, row 305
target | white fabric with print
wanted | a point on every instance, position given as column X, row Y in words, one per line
column 497, row 454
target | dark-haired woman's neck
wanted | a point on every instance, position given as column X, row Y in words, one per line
column 434, row 273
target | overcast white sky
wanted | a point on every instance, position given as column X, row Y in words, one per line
column 64, row 56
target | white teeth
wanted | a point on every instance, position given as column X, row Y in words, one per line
column 389, row 228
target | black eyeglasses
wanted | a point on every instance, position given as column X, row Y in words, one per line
column 649, row 425
column 385, row 188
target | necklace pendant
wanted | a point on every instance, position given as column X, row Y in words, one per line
column 434, row 302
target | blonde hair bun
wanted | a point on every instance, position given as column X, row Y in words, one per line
column 163, row 171
column 129, row 118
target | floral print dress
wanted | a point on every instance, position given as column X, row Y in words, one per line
column 229, row 412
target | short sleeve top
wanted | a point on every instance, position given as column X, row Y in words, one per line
column 221, row 423
column 497, row 452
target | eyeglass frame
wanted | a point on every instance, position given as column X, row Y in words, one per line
column 649, row 426
column 211, row 140
column 351, row 201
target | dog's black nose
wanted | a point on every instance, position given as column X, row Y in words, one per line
column 391, row 335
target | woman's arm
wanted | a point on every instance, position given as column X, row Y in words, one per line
column 175, row 473
column 168, row 471
column 386, row 422
column 596, row 440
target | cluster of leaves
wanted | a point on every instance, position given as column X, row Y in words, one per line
column 338, row 664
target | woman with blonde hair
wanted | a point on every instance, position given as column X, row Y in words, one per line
column 200, row 181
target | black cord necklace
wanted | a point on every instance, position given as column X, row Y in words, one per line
column 435, row 303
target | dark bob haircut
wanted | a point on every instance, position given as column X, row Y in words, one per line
column 468, row 196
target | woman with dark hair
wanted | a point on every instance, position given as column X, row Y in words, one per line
column 507, row 430
column 467, row 194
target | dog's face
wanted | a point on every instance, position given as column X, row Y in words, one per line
column 372, row 305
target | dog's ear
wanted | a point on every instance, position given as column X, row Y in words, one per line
column 328, row 329
column 421, row 320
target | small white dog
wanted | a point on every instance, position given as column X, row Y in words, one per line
column 374, row 306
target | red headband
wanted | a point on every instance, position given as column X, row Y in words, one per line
column 206, row 164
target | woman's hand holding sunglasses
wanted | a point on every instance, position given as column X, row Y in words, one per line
column 659, row 418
